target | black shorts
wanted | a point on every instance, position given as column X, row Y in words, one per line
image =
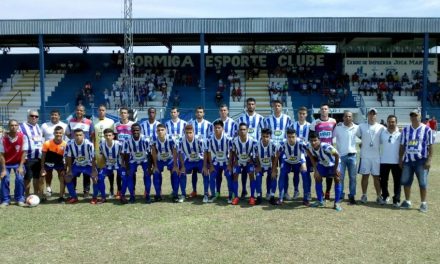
column 33, row 168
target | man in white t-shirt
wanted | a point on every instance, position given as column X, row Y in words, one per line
column 369, row 162
column 389, row 160
column 345, row 135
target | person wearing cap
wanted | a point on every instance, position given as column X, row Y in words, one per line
column 369, row 162
column 416, row 150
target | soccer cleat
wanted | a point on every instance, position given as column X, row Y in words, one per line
column 94, row 201
column 406, row 204
column 327, row 195
column 352, row 201
column 205, row 198
column 101, row 201
column 61, row 200
column 175, row 199
column 279, row 202
column 111, row 196
column 287, row 197
column 21, row 204
column 118, row 195
column 229, row 200
column 318, row 204
column 272, row 200
column 235, row 201
column 123, row 200
column 306, row 203
column 193, row 194
column 48, row 191
column 295, row 195
column 157, row 198
column 252, row 201
column 72, row 200
column 259, row 200
column 380, row 201
column 396, row 204
column 132, row 199
column 364, row 198
column 423, row 207
column 147, row 199
column 337, row 207
column 212, row 198
column 86, row 195
column 181, row 199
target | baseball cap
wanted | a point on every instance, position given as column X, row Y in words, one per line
column 372, row 110
column 415, row 111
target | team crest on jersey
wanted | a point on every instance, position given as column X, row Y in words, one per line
column 292, row 158
column 265, row 161
column 111, row 161
column 138, row 155
column 278, row 133
column 193, row 155
column 243, row 156
column 251, row 130
column 81, row 159
column 219, row 154
column 164, row 155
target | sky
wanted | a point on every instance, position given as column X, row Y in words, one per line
column 56, row 9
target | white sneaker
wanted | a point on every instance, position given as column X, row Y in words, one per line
column 287, row 197
column 295, row 195
column 229, row 200
column 48, row 191
column 181, row 199
column 364, row 198
column 267, row 196
column 396, row 205
column 205, row 198
column 111, row 196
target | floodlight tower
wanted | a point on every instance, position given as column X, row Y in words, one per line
column 128, row 51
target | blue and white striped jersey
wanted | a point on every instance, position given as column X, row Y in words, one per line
column 149, row 130
column 230, row 127
column 112, row 154
column 219, row 149
column 265, row 153
column 202, row 130
column 137, row 149
column 176, row 129
column 192, row 151
column 34, row 138
column 164, row 148
column 243, row 150
column 324, row 154
column 293, row 154
column 82, row 154
column 254, row 122
column 416, row 142
column 302, row 131
column 278, row 125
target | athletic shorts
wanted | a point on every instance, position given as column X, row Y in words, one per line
column 249, row 168
column 32, row 168
column 193, row 165
column 369, row 166
column 167, row 163
column 326, row 171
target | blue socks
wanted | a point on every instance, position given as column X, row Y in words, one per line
column 318, row 187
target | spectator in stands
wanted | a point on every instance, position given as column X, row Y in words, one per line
column 284, row 98
column 239, row 93
column 218, row 98
column 176, row 98
column 380, row 97
column 431, row 98
column 234, row 94
column 221, row 85
column 107, row 98
column 405, row 78
column 79, row 97
column 398, row 87
column 390, row 98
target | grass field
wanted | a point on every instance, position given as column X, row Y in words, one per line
column 194, row 232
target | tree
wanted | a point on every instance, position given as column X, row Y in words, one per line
column 263, row 49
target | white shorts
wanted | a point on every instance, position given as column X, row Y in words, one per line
column 369, row 166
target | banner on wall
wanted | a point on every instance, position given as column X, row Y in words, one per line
column 410, row 66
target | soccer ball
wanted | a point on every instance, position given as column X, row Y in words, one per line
column 33, row 200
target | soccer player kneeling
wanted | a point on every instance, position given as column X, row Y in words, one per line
column 266, row 158
column 111, row 151
column 164, row 154
column 80, row 160
column 136, row 149
column 293, row 160
column 216, row 159
column 325, row 160
column 241, row 159
column 191, row 159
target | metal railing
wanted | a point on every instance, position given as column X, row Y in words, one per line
column 35, row 77
column 12, row 99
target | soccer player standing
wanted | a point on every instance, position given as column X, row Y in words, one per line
column 13, row 152
column 241, row 160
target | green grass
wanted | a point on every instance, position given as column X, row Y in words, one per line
column 193, row 232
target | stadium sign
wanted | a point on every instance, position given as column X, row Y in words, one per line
column 410, row 66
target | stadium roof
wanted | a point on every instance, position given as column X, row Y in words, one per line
column 347, row 32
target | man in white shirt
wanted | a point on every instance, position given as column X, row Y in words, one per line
column 369, row 163
column 345, row 135
column 389, row 160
